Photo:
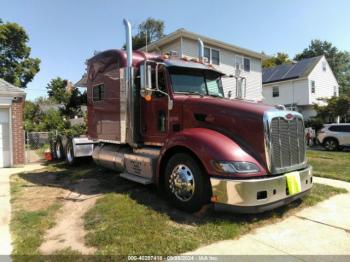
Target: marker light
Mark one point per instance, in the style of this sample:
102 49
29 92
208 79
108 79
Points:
148 98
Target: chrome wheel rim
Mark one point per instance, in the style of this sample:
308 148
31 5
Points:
58 151
181 183
69 154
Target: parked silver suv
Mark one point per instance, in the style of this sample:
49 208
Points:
334 136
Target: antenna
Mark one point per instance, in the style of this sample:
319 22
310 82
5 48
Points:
146 39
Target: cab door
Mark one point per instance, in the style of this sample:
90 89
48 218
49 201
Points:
154 113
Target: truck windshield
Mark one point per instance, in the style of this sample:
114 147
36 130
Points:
199 82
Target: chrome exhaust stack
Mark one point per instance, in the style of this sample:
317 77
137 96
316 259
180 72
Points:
200 50
128 42
131 122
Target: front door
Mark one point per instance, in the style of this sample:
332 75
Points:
154 113
5 154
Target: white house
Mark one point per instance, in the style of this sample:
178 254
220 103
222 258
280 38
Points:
300 85
223 56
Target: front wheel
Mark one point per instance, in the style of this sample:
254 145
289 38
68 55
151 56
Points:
186 185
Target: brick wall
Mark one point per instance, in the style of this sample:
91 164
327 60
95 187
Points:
18 132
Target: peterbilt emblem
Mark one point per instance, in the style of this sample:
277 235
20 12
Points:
289 117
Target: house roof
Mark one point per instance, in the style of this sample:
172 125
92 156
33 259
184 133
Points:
207 40
8 89
290 71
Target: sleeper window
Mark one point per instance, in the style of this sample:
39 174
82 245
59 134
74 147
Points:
98 92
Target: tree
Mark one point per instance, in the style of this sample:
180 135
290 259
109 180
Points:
16 65
62 92
336 106
339 61
53 120
32 116
279 59
148 31
56 89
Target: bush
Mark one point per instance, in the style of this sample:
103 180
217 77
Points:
314 123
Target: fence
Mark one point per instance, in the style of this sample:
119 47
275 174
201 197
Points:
36 143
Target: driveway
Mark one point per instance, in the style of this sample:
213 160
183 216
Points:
323 229
5 214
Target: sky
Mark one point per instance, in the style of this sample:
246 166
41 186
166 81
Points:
64 33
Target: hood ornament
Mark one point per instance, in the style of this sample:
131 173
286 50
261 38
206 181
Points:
289 117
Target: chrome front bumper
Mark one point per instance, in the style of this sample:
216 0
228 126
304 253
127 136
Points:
257 195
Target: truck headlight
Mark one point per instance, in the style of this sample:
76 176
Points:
231 167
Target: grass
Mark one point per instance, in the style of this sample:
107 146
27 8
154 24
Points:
120 225
28 223
28 226
130 219
335 165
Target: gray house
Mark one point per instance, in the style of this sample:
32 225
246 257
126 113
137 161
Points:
225 57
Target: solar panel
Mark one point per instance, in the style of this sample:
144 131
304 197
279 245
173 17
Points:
289 71
280 72
300 68
267 74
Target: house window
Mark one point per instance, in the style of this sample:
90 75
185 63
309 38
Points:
334 91
213 55
98 92
238 62
324 66
242 63
275 91
207 53
246 63
313 86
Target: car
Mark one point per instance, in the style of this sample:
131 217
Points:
334 136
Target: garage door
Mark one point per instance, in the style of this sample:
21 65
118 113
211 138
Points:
5 155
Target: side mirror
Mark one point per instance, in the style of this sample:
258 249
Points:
145 80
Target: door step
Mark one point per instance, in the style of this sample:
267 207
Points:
152 151
137 179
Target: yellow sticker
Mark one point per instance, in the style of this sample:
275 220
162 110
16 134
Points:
293 183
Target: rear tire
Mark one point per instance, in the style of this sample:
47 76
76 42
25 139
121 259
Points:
58 150
70 158
185 183
331 144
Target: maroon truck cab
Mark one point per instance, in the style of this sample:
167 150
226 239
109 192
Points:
165 120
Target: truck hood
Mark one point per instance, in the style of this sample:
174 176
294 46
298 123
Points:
242 121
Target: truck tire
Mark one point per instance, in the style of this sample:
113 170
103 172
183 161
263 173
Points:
186 185
70 159
331 144
58 150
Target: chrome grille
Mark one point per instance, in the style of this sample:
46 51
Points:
285 143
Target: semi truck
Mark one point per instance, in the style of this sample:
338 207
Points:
163 120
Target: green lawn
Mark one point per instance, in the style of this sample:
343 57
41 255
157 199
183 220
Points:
137 223
334 165
129 218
